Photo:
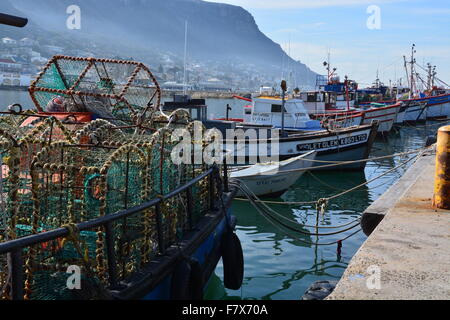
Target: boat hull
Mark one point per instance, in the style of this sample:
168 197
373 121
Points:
437 106
272 180
385 115
271 186
203 245
346 144
415 113
439 110
401 115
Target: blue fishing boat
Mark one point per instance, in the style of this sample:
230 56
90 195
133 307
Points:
431 98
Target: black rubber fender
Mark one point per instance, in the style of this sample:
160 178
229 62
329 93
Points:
196 280
187 281
233 261
180 286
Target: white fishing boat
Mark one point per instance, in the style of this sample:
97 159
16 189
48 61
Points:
299 135
272 179
386 115
416 111
401 115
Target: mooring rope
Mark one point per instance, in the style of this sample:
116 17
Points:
310 234
321 204
420 153
331 163
244 188
339 163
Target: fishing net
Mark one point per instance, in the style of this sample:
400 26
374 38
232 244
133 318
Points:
59 173
53 178
111 89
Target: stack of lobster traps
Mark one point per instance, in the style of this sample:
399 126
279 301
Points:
96 145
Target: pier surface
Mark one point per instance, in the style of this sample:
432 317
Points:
410 247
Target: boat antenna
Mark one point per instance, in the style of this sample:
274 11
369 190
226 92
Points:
283 101
185 55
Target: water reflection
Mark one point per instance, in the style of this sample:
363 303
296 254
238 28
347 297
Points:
278 267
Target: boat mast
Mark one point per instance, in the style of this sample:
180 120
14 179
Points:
431 70
328 68
413 61
185 55
407 75
346 93
283 102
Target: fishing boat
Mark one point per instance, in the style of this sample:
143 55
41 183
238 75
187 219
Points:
274 178
385 114
437 106
285 123
343 119
431 92
300 134
416 111
401 115
89 190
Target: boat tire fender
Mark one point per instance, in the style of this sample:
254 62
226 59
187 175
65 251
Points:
187 281
233 261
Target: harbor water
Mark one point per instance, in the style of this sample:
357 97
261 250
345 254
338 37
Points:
280 266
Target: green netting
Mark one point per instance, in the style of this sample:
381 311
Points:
51 79
50 184
108 88
53 177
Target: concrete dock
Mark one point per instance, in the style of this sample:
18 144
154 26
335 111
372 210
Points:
407 256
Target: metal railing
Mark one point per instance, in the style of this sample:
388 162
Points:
14 248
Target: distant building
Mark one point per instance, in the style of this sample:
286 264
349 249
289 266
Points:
54 49
21 51
15 79
35 54
214 85
175 86
9 41
9 65
27 42
38 60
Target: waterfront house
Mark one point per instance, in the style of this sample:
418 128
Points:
9 41
9 65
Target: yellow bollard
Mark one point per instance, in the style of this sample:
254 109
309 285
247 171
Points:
441 197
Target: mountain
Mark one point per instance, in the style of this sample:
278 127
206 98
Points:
216 32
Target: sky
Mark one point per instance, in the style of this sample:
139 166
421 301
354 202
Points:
359 43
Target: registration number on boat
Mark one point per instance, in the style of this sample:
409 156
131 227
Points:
332 143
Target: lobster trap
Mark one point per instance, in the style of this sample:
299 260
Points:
58 172
110 89
53 177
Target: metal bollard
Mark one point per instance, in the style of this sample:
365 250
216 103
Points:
441 197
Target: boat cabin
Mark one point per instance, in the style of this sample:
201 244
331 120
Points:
268 111
341 100
318 101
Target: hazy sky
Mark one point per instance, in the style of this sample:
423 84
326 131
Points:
315 26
